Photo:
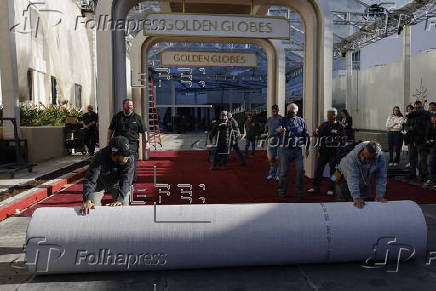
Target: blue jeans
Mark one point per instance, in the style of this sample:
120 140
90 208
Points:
287 156
238 152
251 140
272 152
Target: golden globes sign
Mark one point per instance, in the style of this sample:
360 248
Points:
208 59
158 24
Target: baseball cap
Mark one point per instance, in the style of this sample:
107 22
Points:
120 145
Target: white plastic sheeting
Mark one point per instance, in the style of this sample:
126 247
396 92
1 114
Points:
60 240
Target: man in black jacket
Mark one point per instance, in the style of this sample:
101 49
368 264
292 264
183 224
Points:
431 159
90 120
111 171
330 136
221 133
418 126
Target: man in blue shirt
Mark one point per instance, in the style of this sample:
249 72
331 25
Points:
357 168
294 136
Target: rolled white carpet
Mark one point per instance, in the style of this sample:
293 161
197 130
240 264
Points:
59 240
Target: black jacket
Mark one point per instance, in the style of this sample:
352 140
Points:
222 130
104 174
418 126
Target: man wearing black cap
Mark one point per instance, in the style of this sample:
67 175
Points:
110 171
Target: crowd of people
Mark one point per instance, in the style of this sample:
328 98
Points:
288 141
352 165
417 131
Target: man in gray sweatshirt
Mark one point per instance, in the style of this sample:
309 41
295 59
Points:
358 167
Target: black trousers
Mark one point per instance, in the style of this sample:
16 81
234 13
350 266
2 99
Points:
395 140
418 159
134 150
90 139
323 159
220 156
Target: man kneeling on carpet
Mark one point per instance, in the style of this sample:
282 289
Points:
353 177
111 171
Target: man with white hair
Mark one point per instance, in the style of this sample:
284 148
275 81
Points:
294 136
330 136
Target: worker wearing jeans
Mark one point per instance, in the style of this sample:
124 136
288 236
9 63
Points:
293 136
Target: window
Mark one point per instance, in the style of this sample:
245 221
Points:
54 91
30 84
78 96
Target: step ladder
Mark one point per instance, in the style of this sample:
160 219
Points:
154 135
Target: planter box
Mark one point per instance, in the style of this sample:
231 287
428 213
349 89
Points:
44 142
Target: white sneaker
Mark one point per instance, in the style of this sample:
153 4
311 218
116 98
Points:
391 164
428 183
277 178
330 193
395 164
408 165
311 190
269 177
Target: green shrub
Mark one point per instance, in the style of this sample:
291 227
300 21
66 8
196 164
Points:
40 115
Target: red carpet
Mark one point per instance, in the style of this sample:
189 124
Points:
236 184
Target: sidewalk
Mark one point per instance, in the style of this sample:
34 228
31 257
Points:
47 178
44 168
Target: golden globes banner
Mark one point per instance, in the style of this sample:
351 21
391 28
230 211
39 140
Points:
216 26
208 59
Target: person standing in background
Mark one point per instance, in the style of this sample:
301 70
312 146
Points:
90 120
394 124
249 135
347 122
330 136
235 136
221 132
431 158
271 126
130 125
418 126
294 137
405 131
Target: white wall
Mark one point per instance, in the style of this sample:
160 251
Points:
62 51
377 89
